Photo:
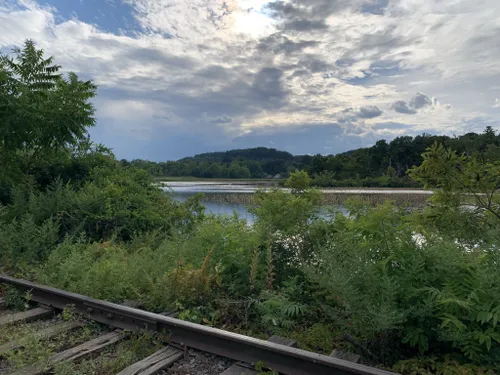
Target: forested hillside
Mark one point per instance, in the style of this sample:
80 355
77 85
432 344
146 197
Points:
384 164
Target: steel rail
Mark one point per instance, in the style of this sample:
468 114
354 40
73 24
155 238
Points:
286 360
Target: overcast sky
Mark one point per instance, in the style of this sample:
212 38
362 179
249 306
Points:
179 77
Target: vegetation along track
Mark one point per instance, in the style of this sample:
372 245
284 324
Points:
182 336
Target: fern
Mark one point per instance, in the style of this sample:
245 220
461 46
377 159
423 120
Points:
253 267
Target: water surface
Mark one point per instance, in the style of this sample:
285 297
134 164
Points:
181 191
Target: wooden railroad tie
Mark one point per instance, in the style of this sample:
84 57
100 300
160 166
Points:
26 316
46 333
156 362
82 351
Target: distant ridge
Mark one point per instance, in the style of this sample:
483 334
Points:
254 154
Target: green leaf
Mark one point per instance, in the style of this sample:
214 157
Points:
488 342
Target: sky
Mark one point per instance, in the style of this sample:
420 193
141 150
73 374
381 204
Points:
181 77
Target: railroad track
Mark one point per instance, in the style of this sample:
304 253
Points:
182 339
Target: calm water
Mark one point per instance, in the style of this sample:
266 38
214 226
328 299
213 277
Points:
183 190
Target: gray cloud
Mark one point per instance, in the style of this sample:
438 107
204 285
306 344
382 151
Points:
278 43
401 107
420 101
314 138
150 55
306 15
369 111
222 119
267 86
304 25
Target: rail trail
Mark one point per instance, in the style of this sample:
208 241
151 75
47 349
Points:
185 348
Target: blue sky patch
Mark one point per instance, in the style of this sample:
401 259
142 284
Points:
108 15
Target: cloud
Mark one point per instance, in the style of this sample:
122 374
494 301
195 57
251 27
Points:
198 75
401 107
418 102
222 119
497 103
369 111
278 43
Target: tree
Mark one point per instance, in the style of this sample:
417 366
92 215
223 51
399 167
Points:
298 181
460 178
41 112
390 172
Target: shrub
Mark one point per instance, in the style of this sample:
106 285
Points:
402 296
119 204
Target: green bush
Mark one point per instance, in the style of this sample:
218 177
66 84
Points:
401 296
119 204
23 241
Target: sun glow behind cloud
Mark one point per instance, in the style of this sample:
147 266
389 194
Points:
249 18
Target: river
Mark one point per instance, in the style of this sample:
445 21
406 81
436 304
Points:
183 190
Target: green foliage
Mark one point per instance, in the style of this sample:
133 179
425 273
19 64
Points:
277 210
116 203
40 111
263 370
390 172
466 203
15 300
319 337
299 181
469 307
277 310
383 165
25 241
159 272
400 295
435 366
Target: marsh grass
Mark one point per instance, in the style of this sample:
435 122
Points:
330 198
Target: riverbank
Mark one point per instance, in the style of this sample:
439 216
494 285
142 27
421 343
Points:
227 181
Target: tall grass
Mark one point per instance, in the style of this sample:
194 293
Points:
330 198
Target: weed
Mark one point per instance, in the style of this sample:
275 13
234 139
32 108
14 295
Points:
263 370
15 300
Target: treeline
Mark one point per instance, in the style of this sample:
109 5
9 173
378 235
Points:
258 162
384 164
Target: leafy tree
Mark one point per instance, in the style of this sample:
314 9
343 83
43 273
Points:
460 177
298 181
390 172
41 112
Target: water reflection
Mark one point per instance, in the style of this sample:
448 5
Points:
181 191
213 207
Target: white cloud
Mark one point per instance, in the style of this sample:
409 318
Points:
198 63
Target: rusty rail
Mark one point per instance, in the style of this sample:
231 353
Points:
286 360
